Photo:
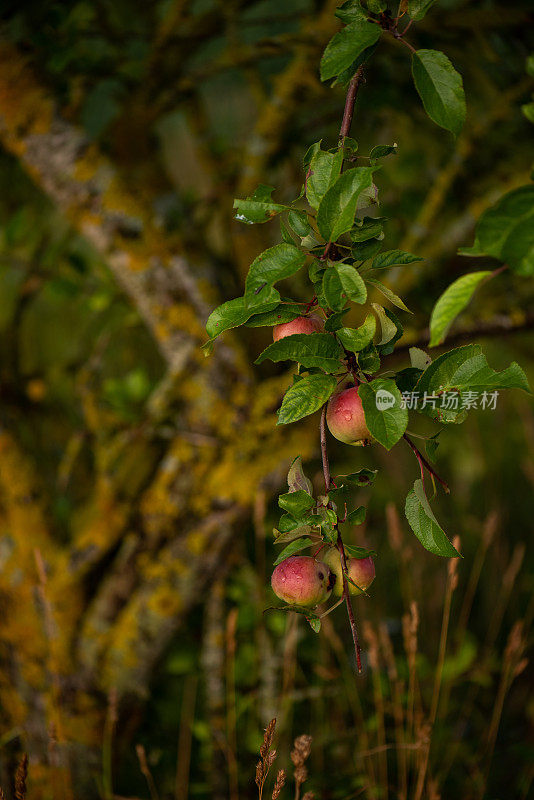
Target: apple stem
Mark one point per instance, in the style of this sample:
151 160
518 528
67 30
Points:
339 543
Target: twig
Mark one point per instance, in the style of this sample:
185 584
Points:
424 463
339 543
348 113
350 101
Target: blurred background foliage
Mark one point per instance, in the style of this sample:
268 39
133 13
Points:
125 549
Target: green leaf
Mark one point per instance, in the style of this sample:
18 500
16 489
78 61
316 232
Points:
358 552
274 264
350 11
382 150
368 359
391 296
386 349
392 258
367 228
350 147
346 75
314 623
310 349
258 207
453 300
310 152
465 370
296 502
528 111
384 416
376 6
355 339
431 445
388 327
425 525
286 234
305 397
341 282
280 314
324 170
363 477
361 251
336 211
290 536
418 8
506 231
335 321
345 47
440 88
418 358
357 517
232 314
292 548
296 479
298 220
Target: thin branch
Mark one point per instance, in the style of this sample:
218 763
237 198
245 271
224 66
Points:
350 101
339 543
424 463
324 451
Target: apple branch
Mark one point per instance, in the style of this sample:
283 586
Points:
339 543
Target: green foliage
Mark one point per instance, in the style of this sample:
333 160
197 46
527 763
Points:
425 525
384 414
355 339
335 215
305 397
335 190
506 231
319 350
258 207
453 300
276 263
440 88
324 170
346 46
341 282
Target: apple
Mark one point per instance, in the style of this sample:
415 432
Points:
311 324
302 581
361 571
345 418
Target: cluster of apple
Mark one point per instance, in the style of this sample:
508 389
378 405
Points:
303 580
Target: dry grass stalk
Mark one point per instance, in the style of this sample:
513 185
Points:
397 690
267 757
374 660
299 754
2 795
279 784
410 624
20 778
143 765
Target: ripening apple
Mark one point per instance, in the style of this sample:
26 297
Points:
302 581
360 570
311 324
345 418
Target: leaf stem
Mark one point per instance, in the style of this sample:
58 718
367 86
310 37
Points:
423 463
